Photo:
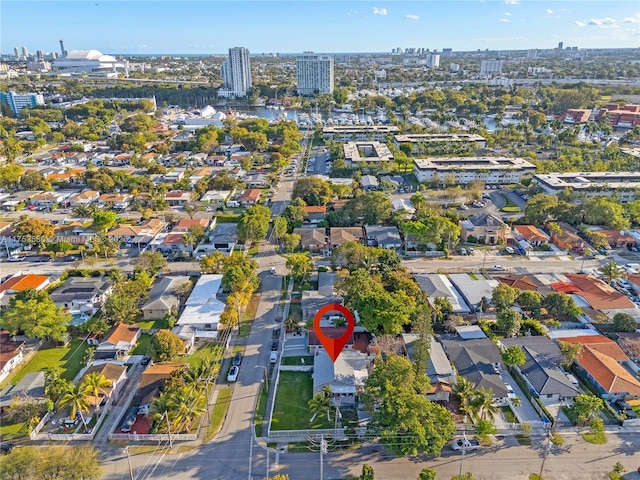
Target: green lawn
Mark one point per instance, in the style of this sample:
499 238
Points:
153 324
291 411
308 360
508 414
248 317
142 348
219 411
68 358
211 349
261 411
9 431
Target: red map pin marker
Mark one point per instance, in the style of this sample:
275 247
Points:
333 346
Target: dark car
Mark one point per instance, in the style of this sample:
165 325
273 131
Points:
145 361
6 448
237 360
274 346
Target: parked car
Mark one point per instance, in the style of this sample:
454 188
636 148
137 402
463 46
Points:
145 361
232 376
463 207
478 204
6 448
499 268
237 359
273 270
273 357
463 251
470 250
16 258
468 444
274 346
509 250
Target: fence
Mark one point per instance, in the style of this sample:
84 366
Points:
157 437
34 434
296 368
65 437
334 432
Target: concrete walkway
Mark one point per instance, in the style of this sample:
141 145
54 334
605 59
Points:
525 412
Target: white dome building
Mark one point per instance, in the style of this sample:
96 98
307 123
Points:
90 62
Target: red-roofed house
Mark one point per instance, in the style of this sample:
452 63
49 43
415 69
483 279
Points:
567 238
602 361
118 341
622 117
577 115
11 354
250 197
186 224
18 283
598 294
618 239
531 234
177 198
314 214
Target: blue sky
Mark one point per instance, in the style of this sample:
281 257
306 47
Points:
210 26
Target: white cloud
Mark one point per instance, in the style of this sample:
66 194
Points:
602 22
352 12
379 11
411 17
580 24
505 20
507 14
549 11
511 2
635 19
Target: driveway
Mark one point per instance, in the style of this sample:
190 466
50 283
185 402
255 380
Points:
525 412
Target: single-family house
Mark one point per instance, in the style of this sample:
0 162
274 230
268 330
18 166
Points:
177 198
250 197
566 237
403 205
173 176
224 237
164 297
439 286
82 294
84 198
383 237
486 228
369 182
118 341
616 238
474 289
151 384
478 360
340 235
542 368
313 300
345 377
17 199
531 234
48 199
140 234
203 309
216 198
314 213
114 373
312 239
186 224
20 282
441 374
606 366
11 354
116 201
256 180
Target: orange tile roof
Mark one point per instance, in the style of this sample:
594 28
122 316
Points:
251 194
188 223
599 295
173 239
23 282
531 233
121 333
315 209
523 282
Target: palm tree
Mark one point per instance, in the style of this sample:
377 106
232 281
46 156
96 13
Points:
611 271
319 404
482 406
76 398
188 403
464 389
94 384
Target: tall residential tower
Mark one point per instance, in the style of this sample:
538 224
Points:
314 73
236 72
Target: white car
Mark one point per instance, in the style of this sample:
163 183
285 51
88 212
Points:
273 357
232 376
509 250
463 207
499 268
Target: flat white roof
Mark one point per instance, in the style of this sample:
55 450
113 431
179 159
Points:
205 290
472 163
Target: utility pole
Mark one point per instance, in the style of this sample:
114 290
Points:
126 450
266 377
166 416
464 443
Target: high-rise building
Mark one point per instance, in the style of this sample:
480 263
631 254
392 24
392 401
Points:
236 72
18 101
25 52
491 67
560 45
532 53
433 60
17 52
314 73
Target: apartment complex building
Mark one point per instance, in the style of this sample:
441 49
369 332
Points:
236 72
314 73
359 133
427 138
492 171
625 185
18 101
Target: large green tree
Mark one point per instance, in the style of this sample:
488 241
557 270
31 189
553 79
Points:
254 224
165 345
514 356
300 265
509 321
35 314
56 462
313 190
504 296
406 421
561 306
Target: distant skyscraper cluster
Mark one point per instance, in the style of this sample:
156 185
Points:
314 73
236 72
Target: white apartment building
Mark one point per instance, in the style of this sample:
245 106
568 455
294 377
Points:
360 133
18 101
358 152
426 138
491 67
492 171
314 73
236 72
624 185
433 60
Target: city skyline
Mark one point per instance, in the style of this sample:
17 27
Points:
168 27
